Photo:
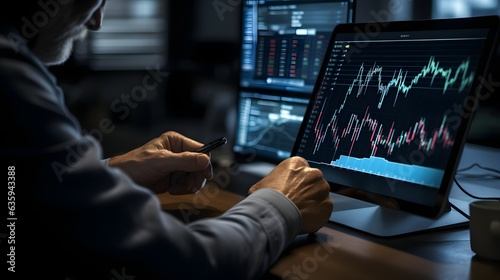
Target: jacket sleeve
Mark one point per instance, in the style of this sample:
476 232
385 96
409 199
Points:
80 219
112 218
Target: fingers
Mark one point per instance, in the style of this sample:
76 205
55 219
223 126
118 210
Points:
186 183
188 162
305 187
184 171
296 161
180 183
177 142
178 149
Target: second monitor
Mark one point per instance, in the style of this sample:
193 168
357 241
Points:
283 44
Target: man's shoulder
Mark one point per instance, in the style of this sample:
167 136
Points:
12 44
20 69
14 52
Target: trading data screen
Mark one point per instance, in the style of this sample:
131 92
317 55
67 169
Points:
284 42
283 47
388 114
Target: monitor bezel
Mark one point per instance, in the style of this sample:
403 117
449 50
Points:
441 203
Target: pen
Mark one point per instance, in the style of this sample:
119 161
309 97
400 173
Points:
212 145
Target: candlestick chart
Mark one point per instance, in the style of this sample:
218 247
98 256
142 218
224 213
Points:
381 112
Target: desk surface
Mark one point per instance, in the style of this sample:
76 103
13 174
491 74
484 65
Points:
337 252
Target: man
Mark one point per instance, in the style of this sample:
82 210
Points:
80 217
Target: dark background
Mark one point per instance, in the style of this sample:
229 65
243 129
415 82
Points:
198 46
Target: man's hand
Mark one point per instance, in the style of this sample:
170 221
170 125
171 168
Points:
304 186
167 163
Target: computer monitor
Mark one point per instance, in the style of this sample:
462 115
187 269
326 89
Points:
485 127
283 44
389 116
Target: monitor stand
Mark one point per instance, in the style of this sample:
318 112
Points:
386 222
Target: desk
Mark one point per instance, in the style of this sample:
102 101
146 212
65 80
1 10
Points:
337 252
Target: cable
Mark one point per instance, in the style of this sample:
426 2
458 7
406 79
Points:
479 166
483 176
474 176
487 175
471 195
460 211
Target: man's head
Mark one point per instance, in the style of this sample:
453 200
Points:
51 26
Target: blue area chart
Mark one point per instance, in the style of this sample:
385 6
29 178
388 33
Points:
382 167
373 119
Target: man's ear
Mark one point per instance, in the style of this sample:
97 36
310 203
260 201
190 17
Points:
95 21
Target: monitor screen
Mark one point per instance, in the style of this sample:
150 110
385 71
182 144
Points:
283 44
485 127
391 108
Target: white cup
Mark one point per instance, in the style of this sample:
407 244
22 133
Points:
484 226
